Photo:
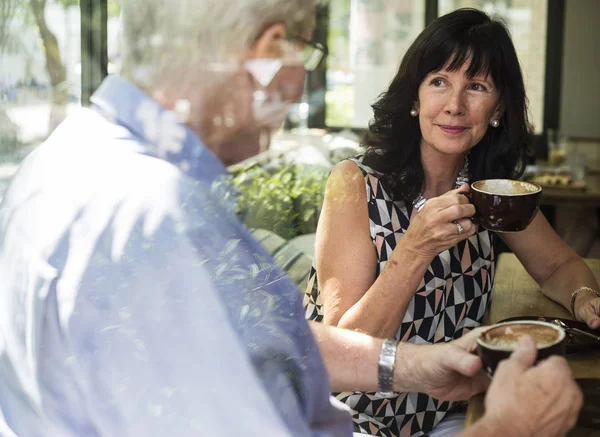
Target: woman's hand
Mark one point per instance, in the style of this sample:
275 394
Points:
587 309
556 268
436 227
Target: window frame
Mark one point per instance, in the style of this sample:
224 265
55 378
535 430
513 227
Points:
94 42
94 63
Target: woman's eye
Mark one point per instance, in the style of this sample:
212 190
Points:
437 82
478 87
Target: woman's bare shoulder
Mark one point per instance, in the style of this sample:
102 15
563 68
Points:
346 177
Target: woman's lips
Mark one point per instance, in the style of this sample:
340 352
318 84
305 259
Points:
452 129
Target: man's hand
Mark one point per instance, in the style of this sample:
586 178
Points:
447 371
538 401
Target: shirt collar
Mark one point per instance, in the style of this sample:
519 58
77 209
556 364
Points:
160 130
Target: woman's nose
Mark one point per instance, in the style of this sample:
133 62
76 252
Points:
455 104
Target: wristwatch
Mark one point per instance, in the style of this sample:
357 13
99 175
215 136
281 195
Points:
387 361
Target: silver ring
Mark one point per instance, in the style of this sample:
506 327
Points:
460 228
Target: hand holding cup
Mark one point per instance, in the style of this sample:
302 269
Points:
443 222
533 400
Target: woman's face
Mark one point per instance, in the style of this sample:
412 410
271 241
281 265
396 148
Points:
455 111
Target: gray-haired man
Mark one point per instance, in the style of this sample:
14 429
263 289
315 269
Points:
134 303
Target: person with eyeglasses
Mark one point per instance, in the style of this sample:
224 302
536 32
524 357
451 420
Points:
135 303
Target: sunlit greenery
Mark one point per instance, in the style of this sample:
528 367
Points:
285 199
340 106
113 8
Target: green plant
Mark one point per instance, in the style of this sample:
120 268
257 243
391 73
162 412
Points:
285 199
308 191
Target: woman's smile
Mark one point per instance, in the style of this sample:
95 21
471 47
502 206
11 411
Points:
452 130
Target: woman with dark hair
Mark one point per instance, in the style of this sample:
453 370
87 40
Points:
397 254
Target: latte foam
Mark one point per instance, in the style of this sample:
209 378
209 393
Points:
507 337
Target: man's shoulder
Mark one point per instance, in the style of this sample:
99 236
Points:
90 168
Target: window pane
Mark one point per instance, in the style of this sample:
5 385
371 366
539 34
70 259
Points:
40 75
112 36
526 20
367 39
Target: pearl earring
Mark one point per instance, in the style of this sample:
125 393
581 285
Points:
414 112
495 123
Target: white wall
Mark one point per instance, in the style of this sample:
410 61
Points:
580 96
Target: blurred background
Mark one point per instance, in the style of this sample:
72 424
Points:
54 53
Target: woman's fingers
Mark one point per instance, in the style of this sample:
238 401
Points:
446 220
446 200
451 233
461 229
456 212
468 226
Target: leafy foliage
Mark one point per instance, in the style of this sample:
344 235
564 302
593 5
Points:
68 3
113 8
285 199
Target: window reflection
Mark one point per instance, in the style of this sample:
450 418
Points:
113 25
367 39
40 74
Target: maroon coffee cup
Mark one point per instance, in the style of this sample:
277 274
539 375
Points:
500 340
505 205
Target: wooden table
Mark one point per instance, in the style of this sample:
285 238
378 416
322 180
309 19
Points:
517 294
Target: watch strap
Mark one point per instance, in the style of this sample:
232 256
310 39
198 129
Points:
387 362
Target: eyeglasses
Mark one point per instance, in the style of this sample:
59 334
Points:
313 52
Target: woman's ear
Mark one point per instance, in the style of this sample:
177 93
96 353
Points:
266 45
498 112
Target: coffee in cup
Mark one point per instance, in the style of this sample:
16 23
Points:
505 205
499 341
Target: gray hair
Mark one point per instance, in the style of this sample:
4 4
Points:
158 34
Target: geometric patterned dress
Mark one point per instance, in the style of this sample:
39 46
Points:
451 299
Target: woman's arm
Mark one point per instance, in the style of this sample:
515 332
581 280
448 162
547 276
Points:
346 262
555 267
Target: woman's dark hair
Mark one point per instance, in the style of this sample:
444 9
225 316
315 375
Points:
394 136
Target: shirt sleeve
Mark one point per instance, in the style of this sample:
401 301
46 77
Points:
151 347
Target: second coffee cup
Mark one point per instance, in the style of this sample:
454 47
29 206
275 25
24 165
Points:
500 340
